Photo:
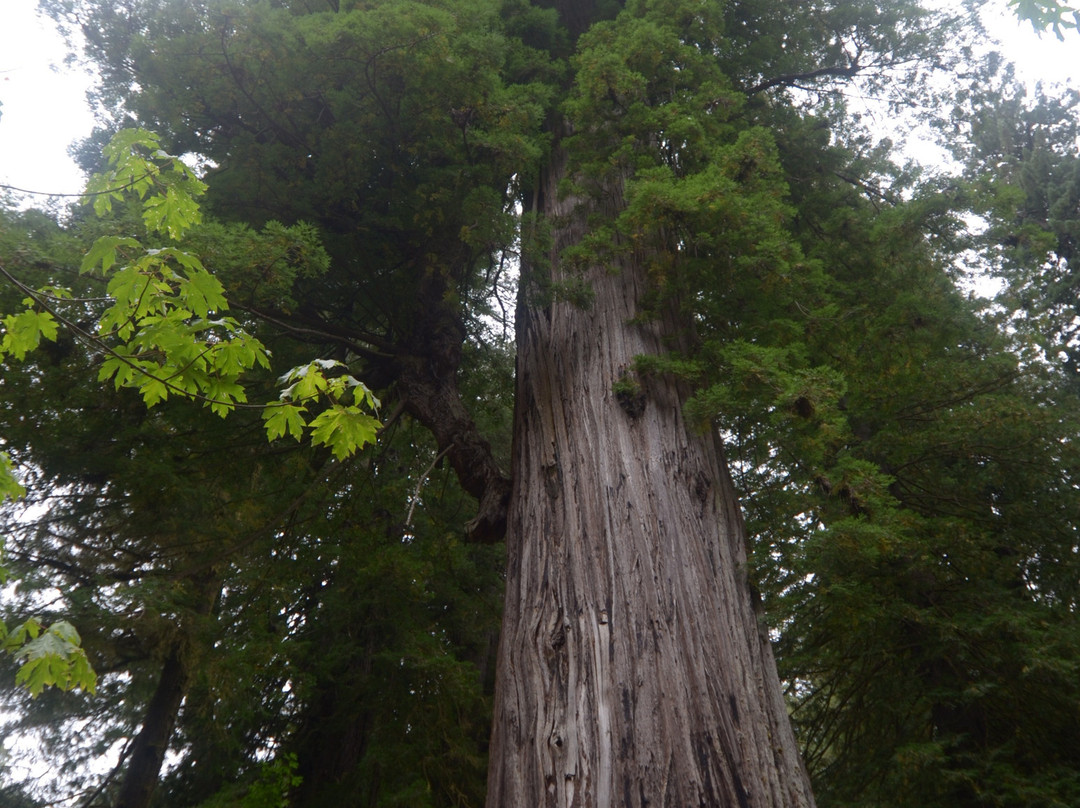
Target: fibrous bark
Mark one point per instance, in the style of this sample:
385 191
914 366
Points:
633 669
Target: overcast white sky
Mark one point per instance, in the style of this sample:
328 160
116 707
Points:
44 105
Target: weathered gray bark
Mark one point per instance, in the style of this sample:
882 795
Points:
633 669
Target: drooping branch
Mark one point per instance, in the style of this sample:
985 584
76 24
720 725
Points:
367 346
790 79
427 384
422 367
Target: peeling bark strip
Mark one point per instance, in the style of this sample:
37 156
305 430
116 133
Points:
632 668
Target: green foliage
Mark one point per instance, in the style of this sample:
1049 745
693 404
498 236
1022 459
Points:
1047 14
274 780
1023 176
922 475
169 335
167 187
261 267
50 657
910 483
164 330
10 488
163 333
53 658
24 331
343 426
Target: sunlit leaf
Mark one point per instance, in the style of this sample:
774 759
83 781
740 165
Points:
284 419
344 430
24 331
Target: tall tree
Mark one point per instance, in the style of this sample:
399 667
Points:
1020 160
202 559
924 630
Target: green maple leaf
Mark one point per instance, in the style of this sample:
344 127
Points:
234 356
128 288
36 674
53 658
284 419
103 253
344 429
23 332
153 390
309 382
121 369
202 293
9 485
172 213
223 393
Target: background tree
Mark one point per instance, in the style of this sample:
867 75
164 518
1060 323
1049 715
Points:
919 583
1021 161
160 578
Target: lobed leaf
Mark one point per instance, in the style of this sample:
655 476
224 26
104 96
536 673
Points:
24 331
284 419
10 487
53 658
344 429
103 253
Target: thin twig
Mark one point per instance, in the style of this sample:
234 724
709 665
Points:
420 484
85 193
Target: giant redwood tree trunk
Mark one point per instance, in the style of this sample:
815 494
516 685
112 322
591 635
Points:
633 669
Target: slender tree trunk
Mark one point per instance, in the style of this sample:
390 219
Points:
633 669
148 748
